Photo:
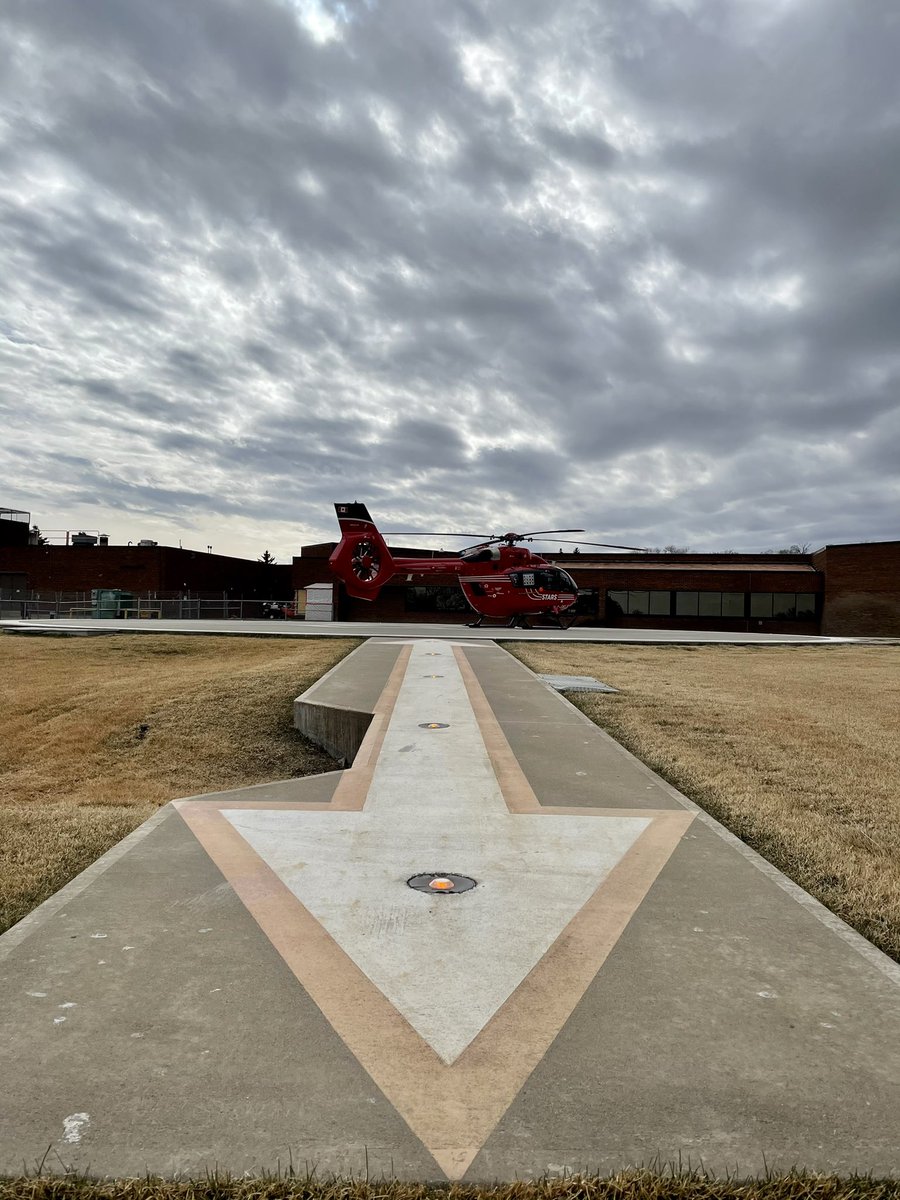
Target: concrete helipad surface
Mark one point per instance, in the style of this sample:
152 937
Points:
249 980
578 633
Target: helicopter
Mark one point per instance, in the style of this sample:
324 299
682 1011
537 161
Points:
499 577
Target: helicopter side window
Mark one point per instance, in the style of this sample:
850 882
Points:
557 580
550 579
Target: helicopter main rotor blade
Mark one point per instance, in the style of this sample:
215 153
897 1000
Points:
428 533
535 532
603 545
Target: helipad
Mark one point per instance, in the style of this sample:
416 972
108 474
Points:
496 946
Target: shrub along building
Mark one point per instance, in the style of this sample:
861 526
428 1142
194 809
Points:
846 590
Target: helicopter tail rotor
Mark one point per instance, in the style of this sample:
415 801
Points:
361 558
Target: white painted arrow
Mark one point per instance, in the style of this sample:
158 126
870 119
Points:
446 962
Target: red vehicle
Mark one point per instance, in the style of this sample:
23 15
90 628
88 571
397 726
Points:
499 578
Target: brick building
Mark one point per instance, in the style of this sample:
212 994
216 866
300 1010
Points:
143 569
861 588
36 573
851 590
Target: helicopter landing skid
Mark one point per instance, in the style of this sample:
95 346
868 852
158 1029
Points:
520 622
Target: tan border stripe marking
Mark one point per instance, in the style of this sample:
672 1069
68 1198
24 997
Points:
350 794
451 1109
517 791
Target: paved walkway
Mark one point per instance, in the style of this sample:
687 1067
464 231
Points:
250 979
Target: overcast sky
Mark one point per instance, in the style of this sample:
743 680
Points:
626 264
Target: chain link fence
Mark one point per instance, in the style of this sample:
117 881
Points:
110 604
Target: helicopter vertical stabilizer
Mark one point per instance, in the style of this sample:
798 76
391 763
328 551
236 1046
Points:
361 558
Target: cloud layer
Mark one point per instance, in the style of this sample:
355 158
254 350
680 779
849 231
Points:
633 266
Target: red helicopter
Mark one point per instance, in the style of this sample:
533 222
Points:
498 577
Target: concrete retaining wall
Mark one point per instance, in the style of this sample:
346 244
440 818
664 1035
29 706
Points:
337 710
337 730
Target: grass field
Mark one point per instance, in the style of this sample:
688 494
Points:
627 1185
796 750
96 733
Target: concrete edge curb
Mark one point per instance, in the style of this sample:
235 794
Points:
18 933
875 957
252 787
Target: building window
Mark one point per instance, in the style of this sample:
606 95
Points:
718 604
686 604
435 599
709 604
783 606
761 604
806 606
780 606
616 604
638 603
588 603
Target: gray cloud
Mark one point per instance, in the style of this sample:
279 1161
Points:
633 266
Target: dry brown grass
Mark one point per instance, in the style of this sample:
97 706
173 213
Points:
626 1185
797 751
96 733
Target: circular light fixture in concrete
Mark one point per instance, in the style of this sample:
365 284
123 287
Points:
441 884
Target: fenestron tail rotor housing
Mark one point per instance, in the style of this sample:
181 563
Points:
366 561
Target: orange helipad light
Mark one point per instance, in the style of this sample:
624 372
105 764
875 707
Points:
440 885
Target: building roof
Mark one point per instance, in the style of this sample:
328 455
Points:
678 564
